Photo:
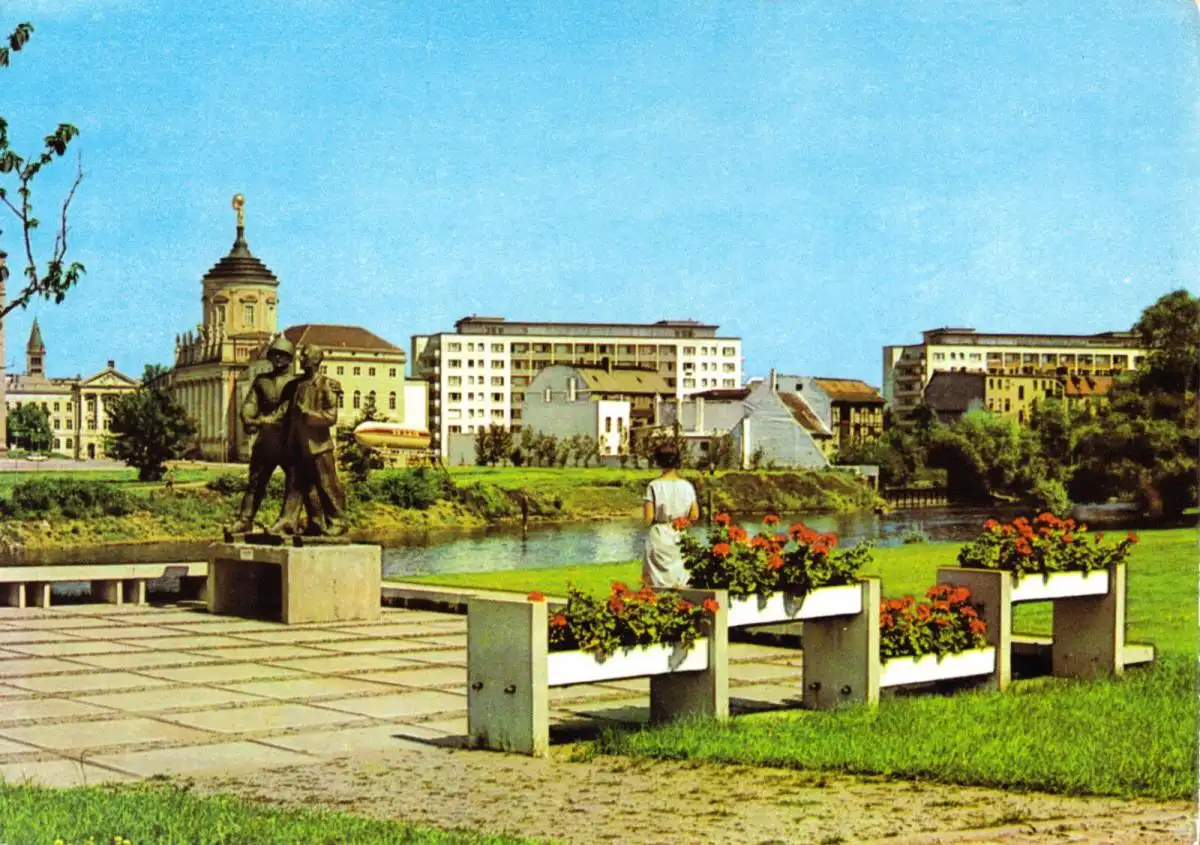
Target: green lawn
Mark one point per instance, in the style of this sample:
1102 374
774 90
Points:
149 814
1134 735
124 478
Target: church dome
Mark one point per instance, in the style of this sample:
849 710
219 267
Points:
240 266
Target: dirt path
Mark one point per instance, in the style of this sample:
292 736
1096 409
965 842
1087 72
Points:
628 801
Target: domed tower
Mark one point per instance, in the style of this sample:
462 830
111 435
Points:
240 296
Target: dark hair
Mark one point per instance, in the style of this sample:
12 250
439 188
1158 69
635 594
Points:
666 455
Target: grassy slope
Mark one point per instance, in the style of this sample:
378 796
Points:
1130 736
150 813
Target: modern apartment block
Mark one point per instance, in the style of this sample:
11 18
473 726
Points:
478 373
908 369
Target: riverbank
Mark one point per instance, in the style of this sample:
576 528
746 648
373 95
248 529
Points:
77 509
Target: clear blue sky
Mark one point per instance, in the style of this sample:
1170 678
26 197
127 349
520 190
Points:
821 178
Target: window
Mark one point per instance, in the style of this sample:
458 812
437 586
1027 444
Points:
57 445
497 347
729 368
1007 405
454 362
54 424
689 350
70 442
357 400
939 356
497 414
324 370
607 424
56 407
729 351
391 372
371 372
975 356
518 397
454 347
497 381
455 429
497 397
357 372
497 365
729 383
454 381
392 401
455 397
1021 392
341 399
454 414
248 314
689 382
341 371
371 398
546 395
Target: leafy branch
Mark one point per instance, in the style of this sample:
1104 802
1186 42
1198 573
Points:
59 276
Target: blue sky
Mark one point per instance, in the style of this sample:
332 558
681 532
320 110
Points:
820 178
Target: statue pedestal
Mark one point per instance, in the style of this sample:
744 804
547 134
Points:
333 583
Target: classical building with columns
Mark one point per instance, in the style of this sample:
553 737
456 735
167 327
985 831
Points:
77 408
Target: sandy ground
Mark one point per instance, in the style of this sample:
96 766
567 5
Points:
618 800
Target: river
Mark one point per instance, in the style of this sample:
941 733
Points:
620 540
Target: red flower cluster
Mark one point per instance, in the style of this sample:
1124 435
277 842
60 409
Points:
721 550
722 519
1043 544
536 596
946 624
770 519
626 618
680 523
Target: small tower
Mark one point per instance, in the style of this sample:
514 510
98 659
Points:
240 295
35 353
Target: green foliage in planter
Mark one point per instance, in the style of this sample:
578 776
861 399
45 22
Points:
626 619
1043 546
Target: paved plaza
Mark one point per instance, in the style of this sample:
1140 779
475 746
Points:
95 693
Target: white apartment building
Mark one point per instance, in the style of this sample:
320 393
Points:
478 373
907 369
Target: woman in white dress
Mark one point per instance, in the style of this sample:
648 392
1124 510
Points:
668 498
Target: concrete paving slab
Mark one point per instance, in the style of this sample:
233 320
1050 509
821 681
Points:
425 676
72 648
172 698
769 695
445 640
436 728
631 710
739 652
450 656
263 652
222 626
69 623
294 636
8 746
15 636
40 709
763 672
84 681
394 630
166 616
59 773
402 705
269 717
184 643
25 614
223 673
225 758
6 691
144 659
401 616
341 664
130 632
371 646
22 667
638 685
73 736
347 741
584 692
309 688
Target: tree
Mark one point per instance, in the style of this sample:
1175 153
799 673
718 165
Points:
1170 331
148 428
19 172
499 443
354 459
29 428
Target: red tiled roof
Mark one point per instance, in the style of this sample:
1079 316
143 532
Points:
849 390
338 337
1082 387
804 414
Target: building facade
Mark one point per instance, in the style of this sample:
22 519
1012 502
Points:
908 369
78 408
851 409
479 373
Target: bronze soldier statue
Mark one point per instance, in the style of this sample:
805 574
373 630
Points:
311 402
263 411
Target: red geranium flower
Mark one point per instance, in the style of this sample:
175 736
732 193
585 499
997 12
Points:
1133 538
977 626
559 621
619 587
737 534
710 606
770 519
722 519
680 523
684 606
721 550
536 596
775 562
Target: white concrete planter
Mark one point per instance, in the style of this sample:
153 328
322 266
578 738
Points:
927 668
582 667
845 600
1060 585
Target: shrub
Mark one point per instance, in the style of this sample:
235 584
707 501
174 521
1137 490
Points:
69 498
1050 494
228 483
418 489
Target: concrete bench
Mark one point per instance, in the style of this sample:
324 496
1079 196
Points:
113 583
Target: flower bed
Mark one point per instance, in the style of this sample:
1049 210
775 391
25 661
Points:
1042 546
626 619
946 624
775 577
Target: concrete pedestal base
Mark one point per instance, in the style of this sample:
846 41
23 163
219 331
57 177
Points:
295 585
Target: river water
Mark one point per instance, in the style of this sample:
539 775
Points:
608 542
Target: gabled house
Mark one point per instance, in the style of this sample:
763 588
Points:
850 409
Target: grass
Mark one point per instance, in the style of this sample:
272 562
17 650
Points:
1129 736
154 813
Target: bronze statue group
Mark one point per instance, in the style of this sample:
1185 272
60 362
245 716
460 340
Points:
292 417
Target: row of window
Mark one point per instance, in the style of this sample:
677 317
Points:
471 397
456 381
341 371
706 382
1045 358
473 413
357 400
591 348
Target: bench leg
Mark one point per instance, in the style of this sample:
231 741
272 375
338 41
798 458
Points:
841 655
38 594
109 592
14 595
706 693
134 591
507 700
1089 632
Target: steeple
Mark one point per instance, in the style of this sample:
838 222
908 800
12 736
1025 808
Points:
240 294
35 352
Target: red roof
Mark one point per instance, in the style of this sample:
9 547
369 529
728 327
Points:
1083 387
338 337
849 390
